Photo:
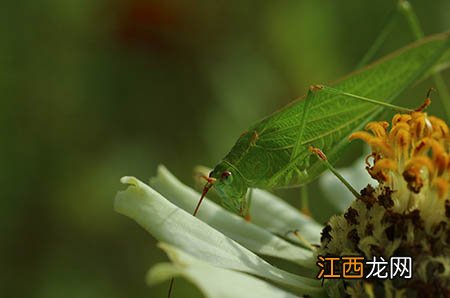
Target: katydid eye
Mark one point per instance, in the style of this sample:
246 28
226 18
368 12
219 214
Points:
226 177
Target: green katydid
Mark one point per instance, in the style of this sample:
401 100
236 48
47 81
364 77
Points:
273 153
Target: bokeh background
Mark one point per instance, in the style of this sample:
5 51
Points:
95 90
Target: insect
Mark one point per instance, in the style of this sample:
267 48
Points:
276 152
273 153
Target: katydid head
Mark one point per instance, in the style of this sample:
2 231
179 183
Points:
230 187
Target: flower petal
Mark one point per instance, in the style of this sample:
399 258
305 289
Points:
248 234
274 214
212 281
170 224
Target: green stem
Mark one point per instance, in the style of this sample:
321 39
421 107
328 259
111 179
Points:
379 40
406 8
443 92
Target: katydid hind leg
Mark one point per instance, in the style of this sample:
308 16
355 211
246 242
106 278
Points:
319 153
382 103
298 146
426 102
298 154
422 107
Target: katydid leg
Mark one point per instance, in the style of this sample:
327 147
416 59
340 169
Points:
246 205
324 158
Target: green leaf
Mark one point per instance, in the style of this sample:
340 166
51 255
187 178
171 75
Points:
170 224
275 151
212 281
247 234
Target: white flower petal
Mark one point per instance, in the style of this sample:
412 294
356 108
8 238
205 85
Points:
212 281
248 234
274 214
170 224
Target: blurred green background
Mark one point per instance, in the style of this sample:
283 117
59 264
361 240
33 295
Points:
95 90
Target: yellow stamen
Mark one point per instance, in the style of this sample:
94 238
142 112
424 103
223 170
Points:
413 173
400 118
379 169
442 187
402 140
421 162
365 136
381 146
396 128
378 128
416 149
428 143
440 127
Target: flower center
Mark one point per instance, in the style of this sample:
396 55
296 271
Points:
412 159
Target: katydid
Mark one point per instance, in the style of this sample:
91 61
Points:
271 155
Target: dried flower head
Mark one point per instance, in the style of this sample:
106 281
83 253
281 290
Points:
407 214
